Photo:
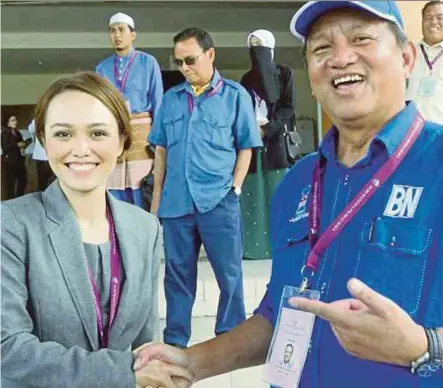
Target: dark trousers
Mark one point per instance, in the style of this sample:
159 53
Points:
16 179
220 231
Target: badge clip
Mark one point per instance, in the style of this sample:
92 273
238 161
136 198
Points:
305 282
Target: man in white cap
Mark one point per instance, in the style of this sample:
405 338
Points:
426 83
373 212
137 75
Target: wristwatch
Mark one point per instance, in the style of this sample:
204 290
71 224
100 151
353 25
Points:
430 361
236 190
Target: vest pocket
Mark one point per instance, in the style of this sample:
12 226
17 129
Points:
393 258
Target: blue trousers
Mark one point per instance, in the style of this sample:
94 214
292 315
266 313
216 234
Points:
220 231
129 195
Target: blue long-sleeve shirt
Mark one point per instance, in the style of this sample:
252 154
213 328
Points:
144 86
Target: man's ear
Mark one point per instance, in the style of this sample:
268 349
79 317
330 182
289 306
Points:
409 58
211 53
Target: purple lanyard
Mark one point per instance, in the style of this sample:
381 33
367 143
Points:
114 287
121 84
428 61
216 88
320 244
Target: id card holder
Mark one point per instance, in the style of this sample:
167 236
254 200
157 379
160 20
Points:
427 86
290 342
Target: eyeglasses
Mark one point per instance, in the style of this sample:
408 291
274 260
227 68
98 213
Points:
190 60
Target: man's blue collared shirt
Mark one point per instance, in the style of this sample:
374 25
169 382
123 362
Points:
144 86
394 244
202 143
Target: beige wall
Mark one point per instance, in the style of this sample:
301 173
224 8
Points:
411 12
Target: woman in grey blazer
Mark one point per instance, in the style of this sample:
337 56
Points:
79 267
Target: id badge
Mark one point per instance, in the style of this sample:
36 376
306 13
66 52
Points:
427 86
128 105
290 342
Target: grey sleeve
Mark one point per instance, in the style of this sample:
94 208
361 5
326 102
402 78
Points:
150 331
25 360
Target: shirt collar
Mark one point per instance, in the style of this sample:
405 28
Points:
125 57
390 136
187 86
438 45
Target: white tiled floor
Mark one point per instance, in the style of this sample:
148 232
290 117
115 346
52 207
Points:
255 277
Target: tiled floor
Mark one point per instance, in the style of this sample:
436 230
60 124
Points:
256 275
255 278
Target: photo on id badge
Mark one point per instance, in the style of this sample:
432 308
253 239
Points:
290 342
427 86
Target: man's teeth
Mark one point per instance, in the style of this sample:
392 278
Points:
349 78
81 167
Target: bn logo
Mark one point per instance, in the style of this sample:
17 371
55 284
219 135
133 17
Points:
403 201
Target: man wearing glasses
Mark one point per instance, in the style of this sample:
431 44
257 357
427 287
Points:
426 82
204 132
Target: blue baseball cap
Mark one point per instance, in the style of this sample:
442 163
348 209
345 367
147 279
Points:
304 18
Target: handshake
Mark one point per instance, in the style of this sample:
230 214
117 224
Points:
158 365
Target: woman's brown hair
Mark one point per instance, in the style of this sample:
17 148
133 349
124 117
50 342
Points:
94 85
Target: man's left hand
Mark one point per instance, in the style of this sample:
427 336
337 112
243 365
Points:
370 326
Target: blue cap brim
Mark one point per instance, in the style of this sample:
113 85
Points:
310 12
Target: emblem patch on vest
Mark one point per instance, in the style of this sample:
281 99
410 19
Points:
403 201
302 208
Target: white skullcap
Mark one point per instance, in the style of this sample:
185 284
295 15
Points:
266 37
122 18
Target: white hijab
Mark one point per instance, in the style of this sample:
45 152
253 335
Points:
266 37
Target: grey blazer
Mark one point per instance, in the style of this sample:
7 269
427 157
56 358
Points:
49 332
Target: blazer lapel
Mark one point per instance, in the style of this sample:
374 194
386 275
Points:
129 239
68 248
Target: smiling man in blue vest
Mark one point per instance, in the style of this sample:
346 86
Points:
204 134
357 283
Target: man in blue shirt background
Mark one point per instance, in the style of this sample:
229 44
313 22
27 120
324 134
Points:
385 329
138 77
204 133
45 176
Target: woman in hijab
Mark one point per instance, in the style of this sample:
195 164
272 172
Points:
13 158
271 89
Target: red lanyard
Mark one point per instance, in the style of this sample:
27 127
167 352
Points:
428 61
121 83
320 244
216 88
114 287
